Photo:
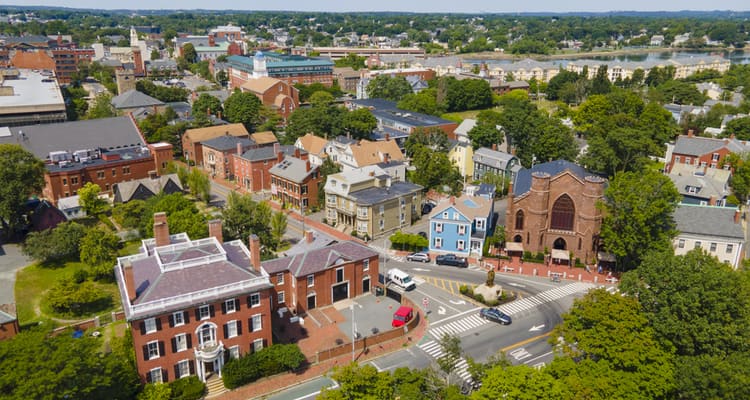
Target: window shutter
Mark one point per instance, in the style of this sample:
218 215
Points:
239 328
187 316
164 375
250 327
249 301
145 354
189 339
158 324
211 310
148 377
143 327
174 345
226 331
162 353
236 304
223 307
171 321
198 314
191 364
177 371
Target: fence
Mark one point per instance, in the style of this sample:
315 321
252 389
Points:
96 322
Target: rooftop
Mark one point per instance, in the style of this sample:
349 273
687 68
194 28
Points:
707 221
134 99
377 195
321 259
697 145
268 152
385 109
522 183
227 142
31 92
292 169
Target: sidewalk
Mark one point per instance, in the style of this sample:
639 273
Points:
518 267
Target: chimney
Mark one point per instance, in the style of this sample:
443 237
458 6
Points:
453 200
276 148
690 133
214 230
280 156
386 158
309 236
494 146
152 174
387 137
239 148
218 115
127 269
296 152
737 216
712 201
211 41
254 247
161 229
307 165
731 136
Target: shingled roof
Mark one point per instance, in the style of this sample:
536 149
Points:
319 260
522 183
134 99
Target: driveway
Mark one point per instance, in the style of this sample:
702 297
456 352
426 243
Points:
11 260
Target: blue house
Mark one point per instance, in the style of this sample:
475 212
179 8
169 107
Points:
460 225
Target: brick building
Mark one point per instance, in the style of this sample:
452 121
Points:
703 152
192 148
8 323
322 276
42 53
251 169
289 68
294 182
193 304
218 154
274 93
103 151
553 206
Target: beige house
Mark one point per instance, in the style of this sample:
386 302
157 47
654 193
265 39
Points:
369 202
313 145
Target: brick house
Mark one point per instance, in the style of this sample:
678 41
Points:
218 154
191 141
274 93
251 169
193 304
289 68
104 151
8 322
295 182
703 152
321 277
553 206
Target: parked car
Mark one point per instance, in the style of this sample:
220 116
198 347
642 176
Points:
452 260
421 257
426 208
423 234
493 314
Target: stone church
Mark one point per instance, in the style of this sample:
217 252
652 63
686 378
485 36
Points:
553 206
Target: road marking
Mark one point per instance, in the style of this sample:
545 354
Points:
376 366
441 310
434 350
436 300
518 285
520 354
456 316
420 269
538 357
526 341
536 328
457 302
315 394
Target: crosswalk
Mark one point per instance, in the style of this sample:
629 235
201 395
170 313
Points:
433 349
472 321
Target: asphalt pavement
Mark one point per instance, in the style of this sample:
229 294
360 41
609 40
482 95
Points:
11 260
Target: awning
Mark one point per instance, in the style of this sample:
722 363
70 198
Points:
606 257
513 246
560 255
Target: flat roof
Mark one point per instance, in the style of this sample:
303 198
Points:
32 92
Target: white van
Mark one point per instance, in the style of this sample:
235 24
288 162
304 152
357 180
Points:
401 278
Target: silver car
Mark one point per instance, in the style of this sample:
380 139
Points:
421 257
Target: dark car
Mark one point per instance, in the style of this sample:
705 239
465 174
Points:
493 314
426 208
423 234
452 260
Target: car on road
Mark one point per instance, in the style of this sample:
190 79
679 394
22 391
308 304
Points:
452 260
426 208
493 314
421 257
423 234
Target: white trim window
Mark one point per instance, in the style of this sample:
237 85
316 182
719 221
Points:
234 352
180 342
310 280
366 265
462 229
281 297
280 278
254 300
730 248
153 349
150 324
155 375
681 244
256 323
460 245
204 312
231 329
183 369
438 227
438 242
257 345
178 318
230 306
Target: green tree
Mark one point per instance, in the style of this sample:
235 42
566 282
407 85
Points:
189 53
359 123
130 215
327 168
243 216
519 382
487 131
242 107
207 104
321 99
59 243
433 138
623 149
638 211
740 180
388 87
90 200
424 102
70 297
739 127
182 215
156 391
99 251
434 170
451 347
278 228
102 107
467 94
601 84
352 60
200 185
22 175
678 92
155 54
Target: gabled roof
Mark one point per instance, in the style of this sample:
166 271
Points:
522 183
201 134
469 206
260 85
318 260
707 221
263 138
464 127
313 144
268 152
708 182
368 153
493 158
698 146
134 99
226 142
126 189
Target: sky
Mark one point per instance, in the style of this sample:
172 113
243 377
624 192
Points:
464 6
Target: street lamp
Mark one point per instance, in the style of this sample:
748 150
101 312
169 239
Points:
354 330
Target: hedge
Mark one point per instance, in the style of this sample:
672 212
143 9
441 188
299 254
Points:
271 360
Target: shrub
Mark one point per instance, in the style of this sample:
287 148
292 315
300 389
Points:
464 290
77 299
492 302
188 388
527 255
539 256
269 361
478 297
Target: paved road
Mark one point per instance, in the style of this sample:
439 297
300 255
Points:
11 260
305 391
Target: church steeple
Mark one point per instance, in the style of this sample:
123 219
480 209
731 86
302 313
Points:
133 37
259 65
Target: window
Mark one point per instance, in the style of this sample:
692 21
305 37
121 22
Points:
183 369
697 245
234 352
99 174
281 297
462 229
403 202
366 265
280 278
256 323
438 242
519 219
445 214
65 181
150 324
204 312
231 328
153 349
455 216
713 247
304 189
688 160
126 170
382 224
310 280
715 157
155 375
253 300
460 245
257 345
676 159
563 214
207 335
230 306
178 318
180 343
681 244
438 227
114 172
480 224
403 217
382 209
730 248
74 180
339 275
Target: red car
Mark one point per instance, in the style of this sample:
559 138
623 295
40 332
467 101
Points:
402 316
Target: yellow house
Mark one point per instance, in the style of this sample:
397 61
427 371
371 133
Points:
461 155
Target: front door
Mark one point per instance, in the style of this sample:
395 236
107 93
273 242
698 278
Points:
365 285
310 302
340 291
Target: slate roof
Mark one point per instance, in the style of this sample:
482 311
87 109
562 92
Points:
210 132
292 169
318 260
707 221
268 152
377 195
320 240
227 142
464 127
698 146
493 158
103 133
714 182
5 317
126 189
386 109
134 99
522 183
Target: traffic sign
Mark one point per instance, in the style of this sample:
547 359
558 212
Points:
425 302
